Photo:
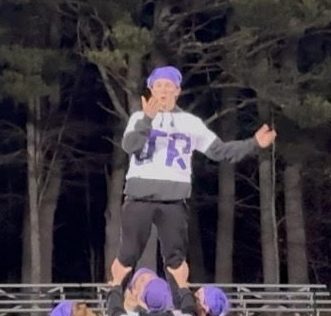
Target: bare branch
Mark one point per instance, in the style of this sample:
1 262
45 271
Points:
108 110
80 151
55 154
265 45
246 198
112 141
112 94
218 115
13 126
6 159
249 180
253 207
10 196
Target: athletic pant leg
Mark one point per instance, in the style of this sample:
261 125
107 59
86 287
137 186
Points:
136 223
172 224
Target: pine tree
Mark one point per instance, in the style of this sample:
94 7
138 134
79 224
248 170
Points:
30 72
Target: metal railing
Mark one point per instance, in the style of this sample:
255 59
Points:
246 299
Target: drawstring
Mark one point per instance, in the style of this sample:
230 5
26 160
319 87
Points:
172 121
162 119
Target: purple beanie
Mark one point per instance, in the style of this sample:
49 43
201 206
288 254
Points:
138 273
63 309
168 72
157 296
216 300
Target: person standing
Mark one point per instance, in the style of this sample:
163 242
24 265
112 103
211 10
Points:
160 140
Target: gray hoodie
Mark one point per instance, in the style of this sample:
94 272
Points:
161 150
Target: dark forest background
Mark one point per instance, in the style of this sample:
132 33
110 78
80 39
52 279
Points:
72 71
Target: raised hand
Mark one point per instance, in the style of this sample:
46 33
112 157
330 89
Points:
150 107
265 136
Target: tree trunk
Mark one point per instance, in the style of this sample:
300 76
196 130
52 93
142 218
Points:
31 259
50 180
297 263
47 212
269 245
26 246
96 271
269 233
225 223
115 183
196 262
226 199
43 190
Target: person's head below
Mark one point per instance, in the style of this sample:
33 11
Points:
211 301
70 308
146 290
165 85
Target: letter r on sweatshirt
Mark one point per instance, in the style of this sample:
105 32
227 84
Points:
173 153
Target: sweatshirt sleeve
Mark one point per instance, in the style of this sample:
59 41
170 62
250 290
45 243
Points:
136 132
187 302
115 302
232 151
214 148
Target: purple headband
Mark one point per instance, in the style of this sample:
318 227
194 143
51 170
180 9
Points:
138 273
63 309
216 301
157 296
168 72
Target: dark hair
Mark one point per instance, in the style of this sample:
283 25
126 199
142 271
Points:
146 93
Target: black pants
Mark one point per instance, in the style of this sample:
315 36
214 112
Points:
171 220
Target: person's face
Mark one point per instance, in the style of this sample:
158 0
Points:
166 92
133 295
140 283
80 309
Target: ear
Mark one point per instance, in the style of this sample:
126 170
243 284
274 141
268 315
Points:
178 91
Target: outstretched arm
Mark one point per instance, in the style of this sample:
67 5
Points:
233 151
